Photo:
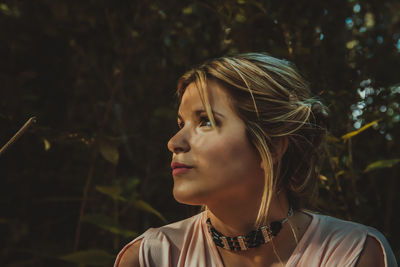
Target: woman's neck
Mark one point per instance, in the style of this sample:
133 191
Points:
235 218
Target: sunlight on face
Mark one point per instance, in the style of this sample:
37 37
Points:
225 164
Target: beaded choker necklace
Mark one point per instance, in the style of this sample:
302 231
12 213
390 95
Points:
253 239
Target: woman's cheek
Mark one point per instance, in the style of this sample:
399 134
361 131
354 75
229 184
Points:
222 158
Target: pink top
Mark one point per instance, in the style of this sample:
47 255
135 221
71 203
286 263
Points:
327 242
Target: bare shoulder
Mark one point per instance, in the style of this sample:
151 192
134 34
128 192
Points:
372 254
130 256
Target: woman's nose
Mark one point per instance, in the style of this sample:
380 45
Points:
178 143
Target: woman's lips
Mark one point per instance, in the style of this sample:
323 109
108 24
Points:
179 168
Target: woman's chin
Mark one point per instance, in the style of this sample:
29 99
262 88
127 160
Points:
188 197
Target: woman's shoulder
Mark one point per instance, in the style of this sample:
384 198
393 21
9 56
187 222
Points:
343 240
129 255
169 238
332 226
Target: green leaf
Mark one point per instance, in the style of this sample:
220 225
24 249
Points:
94 257
187 10
108 224
142 205
240 18
109 151
112 191
131 184
4 7
332 139
354 133
380 164
47 144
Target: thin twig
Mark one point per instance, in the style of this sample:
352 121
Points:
84 198
91 169
18 134
100 131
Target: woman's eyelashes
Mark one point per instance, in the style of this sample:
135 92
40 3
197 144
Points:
203 121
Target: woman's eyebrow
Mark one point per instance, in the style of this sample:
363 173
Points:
199 111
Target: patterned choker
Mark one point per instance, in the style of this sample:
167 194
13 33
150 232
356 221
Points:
253 239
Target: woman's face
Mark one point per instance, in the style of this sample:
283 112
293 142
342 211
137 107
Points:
224 165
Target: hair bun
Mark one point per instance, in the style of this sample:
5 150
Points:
320 112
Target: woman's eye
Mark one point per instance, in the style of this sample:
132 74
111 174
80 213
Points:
204 121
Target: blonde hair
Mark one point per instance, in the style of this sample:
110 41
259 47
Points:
274 102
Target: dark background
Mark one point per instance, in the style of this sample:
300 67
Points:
100 77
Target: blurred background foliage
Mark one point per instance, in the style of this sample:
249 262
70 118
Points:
100 76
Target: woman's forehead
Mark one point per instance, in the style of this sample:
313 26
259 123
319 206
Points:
217 96
190 101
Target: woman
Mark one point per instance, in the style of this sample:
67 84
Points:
246 151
